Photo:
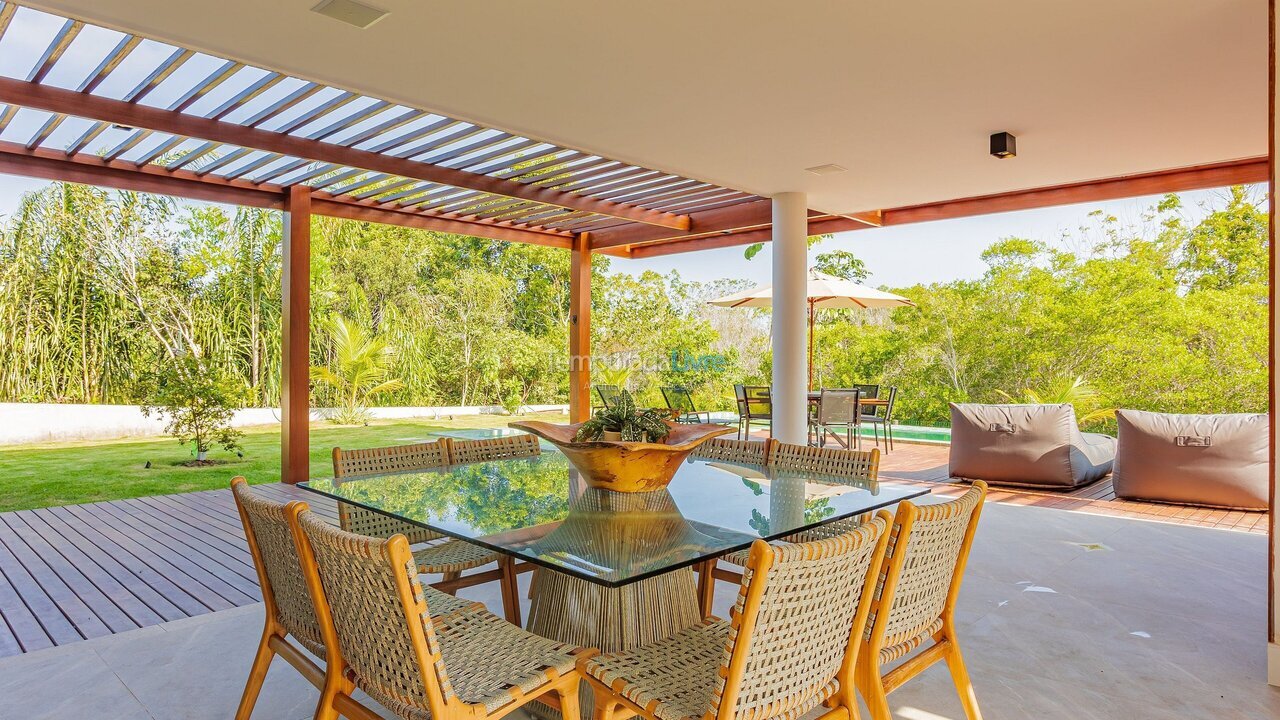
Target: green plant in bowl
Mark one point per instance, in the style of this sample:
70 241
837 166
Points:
629 422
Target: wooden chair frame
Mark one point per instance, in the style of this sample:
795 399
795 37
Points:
451 581
610 705
275 637
874 685
337 692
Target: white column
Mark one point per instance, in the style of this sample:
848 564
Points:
790 286
1273 646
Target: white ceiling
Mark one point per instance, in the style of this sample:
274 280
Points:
748 93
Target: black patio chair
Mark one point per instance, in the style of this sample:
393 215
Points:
608 394
877 421
680 403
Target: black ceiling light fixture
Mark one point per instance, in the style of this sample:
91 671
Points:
1004 145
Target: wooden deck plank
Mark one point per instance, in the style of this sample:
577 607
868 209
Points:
159 607
113 605
19 622
181 556
68 602
187 592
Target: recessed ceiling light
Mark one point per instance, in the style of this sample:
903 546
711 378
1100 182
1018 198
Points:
350 12
828 169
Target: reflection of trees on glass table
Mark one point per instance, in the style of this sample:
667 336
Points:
614 569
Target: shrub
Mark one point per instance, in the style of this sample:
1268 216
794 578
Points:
198 401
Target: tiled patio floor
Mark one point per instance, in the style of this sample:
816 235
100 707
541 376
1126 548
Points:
1063 616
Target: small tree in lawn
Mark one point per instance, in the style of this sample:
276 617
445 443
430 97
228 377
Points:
198 401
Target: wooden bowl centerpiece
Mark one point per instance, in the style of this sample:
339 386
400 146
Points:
640 463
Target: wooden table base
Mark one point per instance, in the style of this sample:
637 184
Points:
570 610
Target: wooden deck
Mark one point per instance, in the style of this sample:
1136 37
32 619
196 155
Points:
82 571
929 463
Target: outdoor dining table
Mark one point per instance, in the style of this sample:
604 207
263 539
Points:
614 570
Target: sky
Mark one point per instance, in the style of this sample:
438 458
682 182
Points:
897 257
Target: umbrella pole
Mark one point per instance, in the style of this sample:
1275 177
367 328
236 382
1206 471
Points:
810 386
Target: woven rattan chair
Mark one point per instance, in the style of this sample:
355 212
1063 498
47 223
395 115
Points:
753 452
915 599
381 638
289 611
499 448
788 648
447 557
833 465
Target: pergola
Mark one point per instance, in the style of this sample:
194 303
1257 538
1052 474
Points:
268 105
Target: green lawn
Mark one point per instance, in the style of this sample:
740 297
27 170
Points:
33 476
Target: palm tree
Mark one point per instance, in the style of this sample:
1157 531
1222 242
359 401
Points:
358 371
1067 390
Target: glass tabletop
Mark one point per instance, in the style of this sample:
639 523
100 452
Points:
538 509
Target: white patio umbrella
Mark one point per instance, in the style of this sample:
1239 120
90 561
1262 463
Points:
825 292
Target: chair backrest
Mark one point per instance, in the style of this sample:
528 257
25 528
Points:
755 452
854 464
275 557
499 448
920 579
838 407
678 398
380 461
796 625
740 397
391 459
373 614
868 391
757 400
889 403
608 394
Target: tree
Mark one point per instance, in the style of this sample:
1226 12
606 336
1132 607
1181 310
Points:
199 401
358 371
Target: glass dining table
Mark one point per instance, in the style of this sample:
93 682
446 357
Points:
613 570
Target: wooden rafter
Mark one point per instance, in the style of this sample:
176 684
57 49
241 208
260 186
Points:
123 175
750 222
67 102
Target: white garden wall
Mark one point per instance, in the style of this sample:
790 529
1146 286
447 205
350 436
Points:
48 422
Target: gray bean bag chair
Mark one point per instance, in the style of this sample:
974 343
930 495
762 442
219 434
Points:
1037 446
1210 460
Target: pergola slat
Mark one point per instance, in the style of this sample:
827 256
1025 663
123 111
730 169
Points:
57 47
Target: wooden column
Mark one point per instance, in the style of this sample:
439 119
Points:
295 351
580 329
1273 571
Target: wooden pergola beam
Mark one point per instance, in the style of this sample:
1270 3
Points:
121 175
57 100
748 223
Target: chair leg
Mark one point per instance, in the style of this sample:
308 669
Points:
960 676
605 708
874 695
706 586
257 674
446 577
334 686
568 696
510 589
888 431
